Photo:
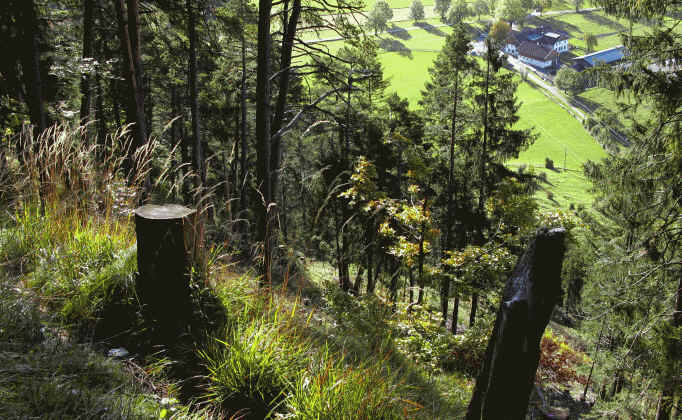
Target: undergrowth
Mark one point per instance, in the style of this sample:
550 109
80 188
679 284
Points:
68 260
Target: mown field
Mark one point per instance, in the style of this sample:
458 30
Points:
407 55
559 133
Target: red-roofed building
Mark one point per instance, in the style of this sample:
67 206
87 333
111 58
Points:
536 55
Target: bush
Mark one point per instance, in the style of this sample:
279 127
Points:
559 361
331 390
252 370
549 163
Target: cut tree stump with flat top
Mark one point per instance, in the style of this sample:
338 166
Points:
165 253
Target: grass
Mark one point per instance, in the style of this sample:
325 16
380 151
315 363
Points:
561 138
598 97
67 273
559 132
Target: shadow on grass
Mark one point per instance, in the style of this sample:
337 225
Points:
430 28
555 24
393 45
399 32
367 336
604 21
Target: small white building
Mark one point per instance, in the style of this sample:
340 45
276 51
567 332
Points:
555 41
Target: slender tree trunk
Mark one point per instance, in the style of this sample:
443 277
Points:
129 34
88 18
280 105
263 225
411 274
199 166
100 114
371 275
30 63
243 203
455 314
474 308
447 237
671 382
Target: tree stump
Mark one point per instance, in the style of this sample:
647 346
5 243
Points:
506 379
165 254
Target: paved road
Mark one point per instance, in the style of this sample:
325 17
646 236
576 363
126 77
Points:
564 12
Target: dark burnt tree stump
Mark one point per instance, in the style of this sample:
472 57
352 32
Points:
506 379
165 254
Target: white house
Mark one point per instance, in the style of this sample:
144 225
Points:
542 37
555 41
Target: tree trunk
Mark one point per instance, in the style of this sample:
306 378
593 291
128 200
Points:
506 379
447 236
474 309
88 17
264 227
129 34
673 348
165 254
243 201
411 274
199 166
30 63
455 314
280 105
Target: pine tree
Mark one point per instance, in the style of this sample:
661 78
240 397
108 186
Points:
639 190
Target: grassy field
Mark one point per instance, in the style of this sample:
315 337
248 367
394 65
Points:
406 58
598 97
561 138
558 131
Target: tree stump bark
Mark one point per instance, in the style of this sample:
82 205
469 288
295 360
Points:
505 382
165 254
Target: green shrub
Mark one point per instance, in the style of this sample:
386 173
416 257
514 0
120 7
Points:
331 390
549 163
253 369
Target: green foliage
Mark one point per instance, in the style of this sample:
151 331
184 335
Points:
591 41
416 11
251 370
441 7
379 16
327 389
500 30
480 7
569 80
427 343
511 10
459 10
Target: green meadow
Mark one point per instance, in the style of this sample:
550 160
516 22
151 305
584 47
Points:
559 134
407 56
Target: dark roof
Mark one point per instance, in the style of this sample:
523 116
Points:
608 56
533 50
542 32
512 39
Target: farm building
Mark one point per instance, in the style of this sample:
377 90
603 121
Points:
537 56
539 47
609 56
